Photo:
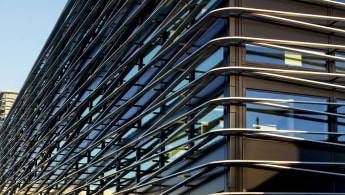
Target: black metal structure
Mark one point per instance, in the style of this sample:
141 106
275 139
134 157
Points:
183 97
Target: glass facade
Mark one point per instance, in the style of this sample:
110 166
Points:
182 97
288 112
283 57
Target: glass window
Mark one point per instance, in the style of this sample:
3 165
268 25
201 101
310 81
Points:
213 61
287 115
281 57
151 54
340 65
341 120
206 8
212 120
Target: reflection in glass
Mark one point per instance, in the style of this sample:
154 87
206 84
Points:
287 116
281 57
213 61
340 120
340 65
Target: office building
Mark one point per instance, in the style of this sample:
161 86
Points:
7 99
183 97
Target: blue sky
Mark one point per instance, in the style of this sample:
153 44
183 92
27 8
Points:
24 28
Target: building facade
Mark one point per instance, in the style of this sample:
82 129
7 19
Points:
183 97
7 99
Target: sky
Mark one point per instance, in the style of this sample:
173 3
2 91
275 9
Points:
25 26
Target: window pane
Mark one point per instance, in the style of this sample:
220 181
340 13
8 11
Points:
281 57
340 65
287 116
341 121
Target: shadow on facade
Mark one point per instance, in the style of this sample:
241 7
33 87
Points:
293 167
